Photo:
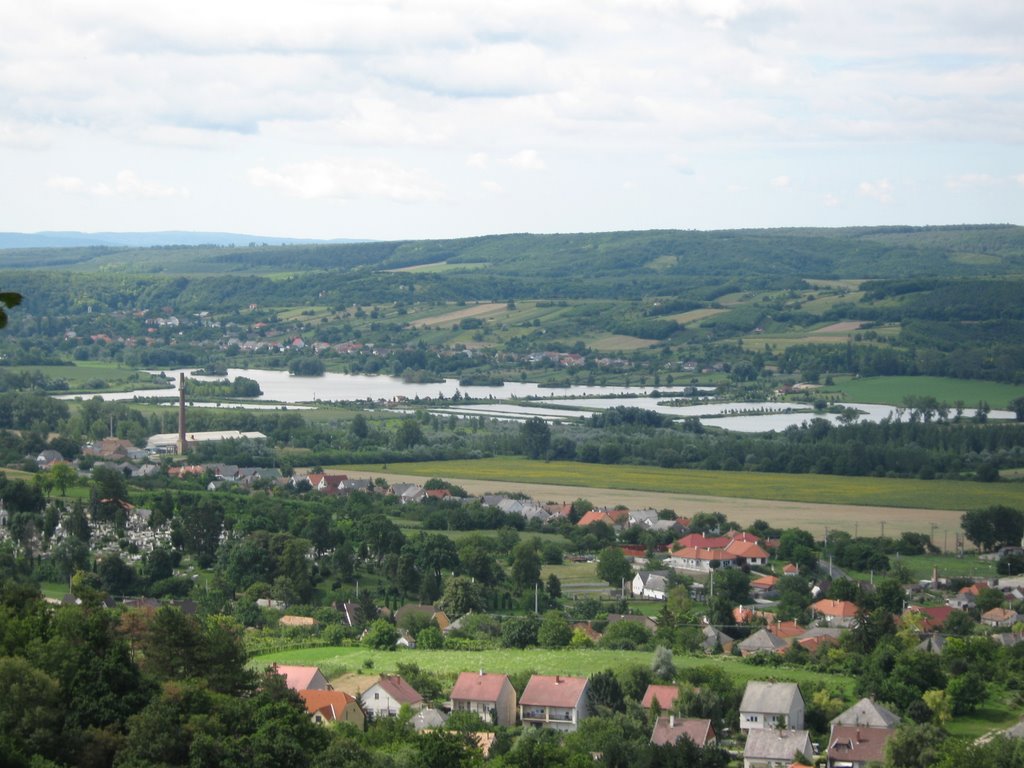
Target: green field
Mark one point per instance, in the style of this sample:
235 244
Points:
892 390
89 376
335 661
817 489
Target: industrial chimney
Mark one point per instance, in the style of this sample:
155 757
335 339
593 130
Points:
182 442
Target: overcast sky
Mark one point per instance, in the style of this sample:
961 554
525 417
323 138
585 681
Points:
442 118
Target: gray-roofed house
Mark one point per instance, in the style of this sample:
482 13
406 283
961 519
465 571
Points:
650 584
428 720
770 706
867 713
776 748
762 641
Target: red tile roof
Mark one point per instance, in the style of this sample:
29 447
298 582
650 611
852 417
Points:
843 609
297 678
478 686
668 730
331 703
553 691
665 695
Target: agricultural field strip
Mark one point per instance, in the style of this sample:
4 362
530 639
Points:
804 488
477 310
865 520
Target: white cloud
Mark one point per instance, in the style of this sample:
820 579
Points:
125 184
830 201
971 180
781 182
21 136
681 165
348 179
877 190
492 186
478 160
1020 178
526 160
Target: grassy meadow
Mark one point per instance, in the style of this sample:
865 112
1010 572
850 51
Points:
336 661
894 389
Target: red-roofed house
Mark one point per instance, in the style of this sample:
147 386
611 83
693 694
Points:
669 730
385 697
665 695
764 584
747 552
333 706
790 569
596 516
489 695
303 678
932 617
701 541
1000 617
855 746
743 536
700 560
836 613
554 701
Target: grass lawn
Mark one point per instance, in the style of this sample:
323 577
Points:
819 489
335 661
54 589
997 713
893 389
950 566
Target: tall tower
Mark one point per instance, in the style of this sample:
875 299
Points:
182 442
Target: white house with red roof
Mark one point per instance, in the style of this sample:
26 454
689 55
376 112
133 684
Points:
747 552
836 613
489 695
385 697
700 560
554 701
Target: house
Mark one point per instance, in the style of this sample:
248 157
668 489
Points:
747 552
333 707
652 584
1000 617
407 493
665 695
776 748
854 746
490 695
762 641
554 701
303 678
429 719
931 618
836 613
764 585
670 729
700 560
868 714
716 641
771 706
385 697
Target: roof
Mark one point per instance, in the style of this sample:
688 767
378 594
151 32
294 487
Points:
764 582
334 702
297 678
427 719
786 629
668 730
479 686
763 641
851 743
777 745
999 614
701 541
692 553
747 549
399 690
934 616
770 698
867 713
843 609
554 691
665 695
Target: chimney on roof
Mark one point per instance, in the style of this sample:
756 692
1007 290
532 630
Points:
558 679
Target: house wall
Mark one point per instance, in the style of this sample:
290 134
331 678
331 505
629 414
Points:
378 703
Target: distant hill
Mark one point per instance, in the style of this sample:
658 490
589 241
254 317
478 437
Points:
147 239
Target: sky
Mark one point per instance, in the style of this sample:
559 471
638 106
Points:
395 119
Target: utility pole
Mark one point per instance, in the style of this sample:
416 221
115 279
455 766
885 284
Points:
535 604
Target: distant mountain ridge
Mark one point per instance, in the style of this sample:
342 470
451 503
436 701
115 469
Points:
73 239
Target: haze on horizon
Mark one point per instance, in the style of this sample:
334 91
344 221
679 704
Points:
447 118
